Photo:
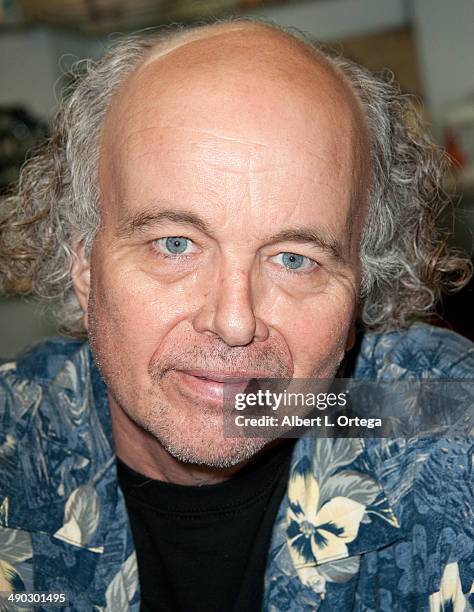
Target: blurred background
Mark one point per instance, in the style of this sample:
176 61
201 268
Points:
427 44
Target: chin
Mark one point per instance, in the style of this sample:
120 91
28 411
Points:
206 448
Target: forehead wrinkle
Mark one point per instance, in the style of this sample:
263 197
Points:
170 126
249 143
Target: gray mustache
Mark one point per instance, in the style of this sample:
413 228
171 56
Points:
270 359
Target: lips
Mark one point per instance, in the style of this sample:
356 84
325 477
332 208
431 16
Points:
226 377
208 386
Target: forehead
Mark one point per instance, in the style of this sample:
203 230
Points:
235 80
233 101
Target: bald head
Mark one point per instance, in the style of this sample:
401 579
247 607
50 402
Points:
247 60
251 84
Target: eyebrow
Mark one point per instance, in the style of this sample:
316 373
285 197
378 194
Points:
139 222
312 236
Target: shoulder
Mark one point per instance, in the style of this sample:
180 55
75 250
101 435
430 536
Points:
42 360
421 351
424 476
25 380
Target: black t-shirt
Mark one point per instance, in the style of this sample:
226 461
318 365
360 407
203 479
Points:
204 548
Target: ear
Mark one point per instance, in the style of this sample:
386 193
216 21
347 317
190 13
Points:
81 279
351 338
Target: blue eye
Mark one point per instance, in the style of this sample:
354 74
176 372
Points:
294 262
172 246
176 244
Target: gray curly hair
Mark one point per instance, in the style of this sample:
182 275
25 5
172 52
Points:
406 262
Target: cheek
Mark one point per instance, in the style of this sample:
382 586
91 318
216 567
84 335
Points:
316 332
130 310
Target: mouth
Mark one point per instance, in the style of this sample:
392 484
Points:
209 385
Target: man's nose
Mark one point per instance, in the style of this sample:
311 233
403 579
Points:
228 311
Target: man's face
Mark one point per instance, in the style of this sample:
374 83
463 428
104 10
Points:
229 237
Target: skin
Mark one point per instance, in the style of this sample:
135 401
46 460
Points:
244 132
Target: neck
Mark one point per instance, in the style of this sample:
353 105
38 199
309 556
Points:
141 451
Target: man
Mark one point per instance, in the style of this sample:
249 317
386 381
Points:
216 204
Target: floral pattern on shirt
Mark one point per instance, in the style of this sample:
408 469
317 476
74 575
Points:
325 511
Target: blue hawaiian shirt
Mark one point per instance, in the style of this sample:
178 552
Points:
366 524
